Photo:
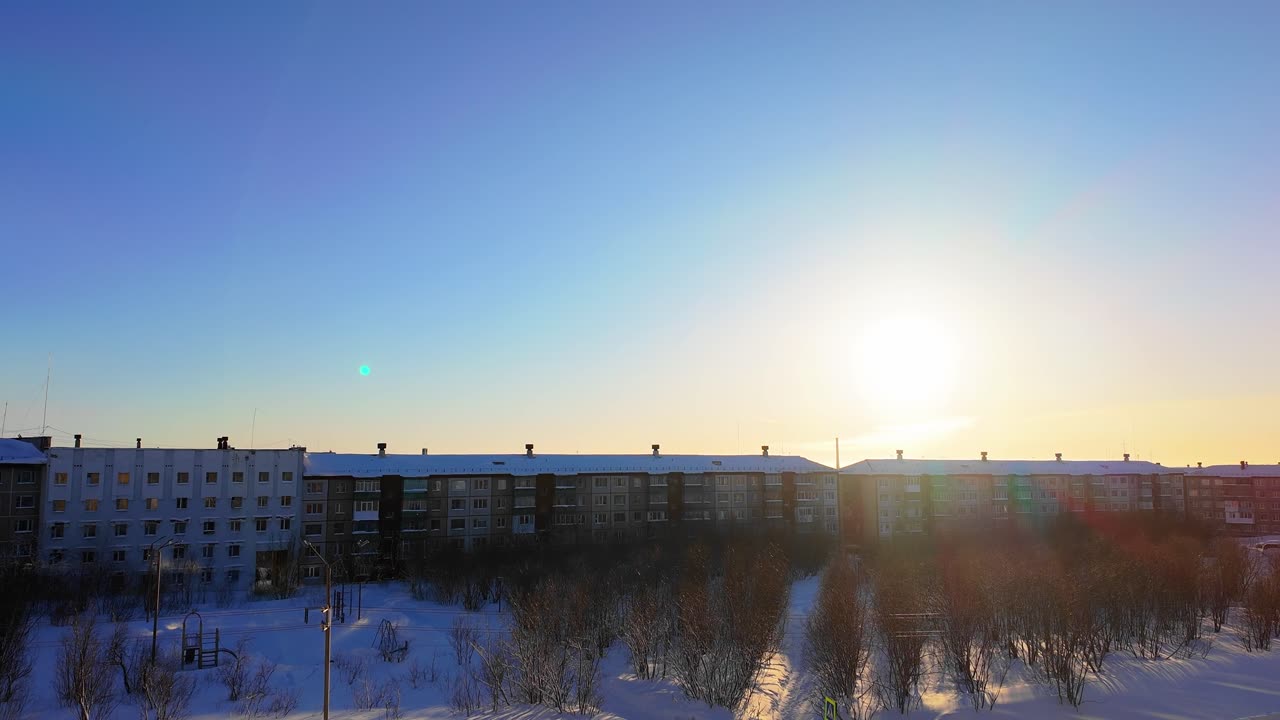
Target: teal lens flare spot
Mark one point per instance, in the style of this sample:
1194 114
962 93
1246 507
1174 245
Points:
364 369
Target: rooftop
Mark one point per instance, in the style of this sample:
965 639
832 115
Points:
1005 467
20 452
361 465
1249 470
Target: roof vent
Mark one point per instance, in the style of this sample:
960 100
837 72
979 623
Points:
382 449
1199 464
764 450
1126 457
139 443
899 454
424 451
1057 456
984 456
1244 465
655 449
528 450
78 439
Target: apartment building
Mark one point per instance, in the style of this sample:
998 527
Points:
402 506
885 498
22 469
223 515
1244 499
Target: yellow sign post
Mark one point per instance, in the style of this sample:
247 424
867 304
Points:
829 710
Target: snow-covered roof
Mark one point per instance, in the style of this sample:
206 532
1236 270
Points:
1004 467
20 452
1250 470
358 465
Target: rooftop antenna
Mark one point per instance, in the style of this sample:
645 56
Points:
44 417
253 428
6 418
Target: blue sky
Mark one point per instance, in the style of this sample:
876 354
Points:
597 226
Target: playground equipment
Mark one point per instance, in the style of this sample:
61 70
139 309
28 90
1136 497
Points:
388 643
199 652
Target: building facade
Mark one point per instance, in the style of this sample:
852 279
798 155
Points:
1243 499
22 470
882 499
223 516
385 510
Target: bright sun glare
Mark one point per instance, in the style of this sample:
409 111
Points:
904 364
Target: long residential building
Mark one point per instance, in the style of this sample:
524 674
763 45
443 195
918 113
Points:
229 515
1244 498
382 510
881 499
22 467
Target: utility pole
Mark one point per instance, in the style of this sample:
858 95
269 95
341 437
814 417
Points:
326 622
155 619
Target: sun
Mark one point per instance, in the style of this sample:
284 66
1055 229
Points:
904 365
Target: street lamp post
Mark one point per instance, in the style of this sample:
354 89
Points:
155 619
325 626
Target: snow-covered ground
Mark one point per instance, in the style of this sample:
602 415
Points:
1226 683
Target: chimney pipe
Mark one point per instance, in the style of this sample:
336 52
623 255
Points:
382 449
1199 464
424 451
984 456
764 450
899 454
1126 457
528 449
77 439
1057 456
655 449
1243 465
139 443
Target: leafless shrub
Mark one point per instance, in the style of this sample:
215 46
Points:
234 675
16 625
350 666
495 669
462 638
900 614
366 693
256 697
419 676
83 674
1228 578
1261 616
283 702
648 630
162 691
837 635
464 695
967 629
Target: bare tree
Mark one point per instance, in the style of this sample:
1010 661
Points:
900 615
968 632
837 635
162 691
1229 578
16 624
83 677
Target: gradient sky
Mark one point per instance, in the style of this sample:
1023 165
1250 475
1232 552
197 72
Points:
944 228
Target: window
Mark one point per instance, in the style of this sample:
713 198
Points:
59 478
91 505
619 499
602 500
210 503
314 487
311 572
26 502
437 485
480 484
89 531
206 575
179 527
339 528
458 524
237 476
635 483
122 503
260 524
599 518
286 523
153 478
86 556
209 527
150 527
22 525
211 478
93 478
480 504
264 476
479 523
457 504
286 501
237 503
363 486
179 552
500 503
120 529
184 478
366 506
57 530
502 483
657 515
312 529
207 550
600 482
339 509
458 485
180 503
233 575
619 517
151 503
313 508
620 482
263 500
500 522
286 476
235 525
59 505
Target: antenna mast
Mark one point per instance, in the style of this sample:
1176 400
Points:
44 416
253 428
